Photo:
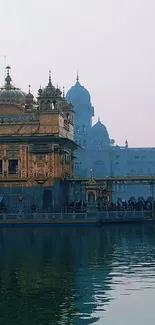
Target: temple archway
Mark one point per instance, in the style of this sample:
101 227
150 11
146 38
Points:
91 197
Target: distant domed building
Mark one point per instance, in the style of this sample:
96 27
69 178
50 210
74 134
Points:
99 136
99 152
78 93
84 111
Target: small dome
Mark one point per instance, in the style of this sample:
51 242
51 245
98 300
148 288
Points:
99 127
29 97
12 95
78 93
91 182
49 90
99 133
9 93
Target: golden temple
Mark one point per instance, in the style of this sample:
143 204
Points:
36 136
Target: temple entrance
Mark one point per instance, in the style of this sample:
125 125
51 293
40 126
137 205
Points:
47 200
91 197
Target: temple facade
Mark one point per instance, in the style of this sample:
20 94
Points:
36 145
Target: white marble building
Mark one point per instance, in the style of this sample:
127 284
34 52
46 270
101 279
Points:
101 154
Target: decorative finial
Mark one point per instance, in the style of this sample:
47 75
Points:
91 174
8 69
126 144
8 78
99 120
63 92
39 91
49 76
29 88
77 78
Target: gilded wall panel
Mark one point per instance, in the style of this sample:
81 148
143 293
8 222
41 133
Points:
40 165
50 165
12 154
31 165
23 160
10 110
6 129
28 129
54 129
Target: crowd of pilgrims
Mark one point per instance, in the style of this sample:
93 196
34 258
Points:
130 205
121 205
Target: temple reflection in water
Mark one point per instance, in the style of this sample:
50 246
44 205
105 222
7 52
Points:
69 275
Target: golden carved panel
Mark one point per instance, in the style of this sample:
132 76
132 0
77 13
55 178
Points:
10 110
50 165
23 160
31 166
40 165
13 147
12 154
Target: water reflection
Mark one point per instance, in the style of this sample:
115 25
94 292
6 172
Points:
73 275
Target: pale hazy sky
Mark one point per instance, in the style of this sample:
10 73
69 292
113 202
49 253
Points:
110 42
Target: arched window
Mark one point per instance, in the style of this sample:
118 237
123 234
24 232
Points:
53 106
68 116
91 197
43 105
48 104
67 160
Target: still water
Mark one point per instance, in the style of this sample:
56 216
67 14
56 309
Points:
77 275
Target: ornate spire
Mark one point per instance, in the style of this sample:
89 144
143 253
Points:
29 97
99 120
126 144
39 91
8 78
77 77
8 69
91 174
63 94
49 76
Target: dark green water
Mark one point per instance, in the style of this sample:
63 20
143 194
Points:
77 275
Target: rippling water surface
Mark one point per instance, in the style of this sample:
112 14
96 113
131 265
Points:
77 275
